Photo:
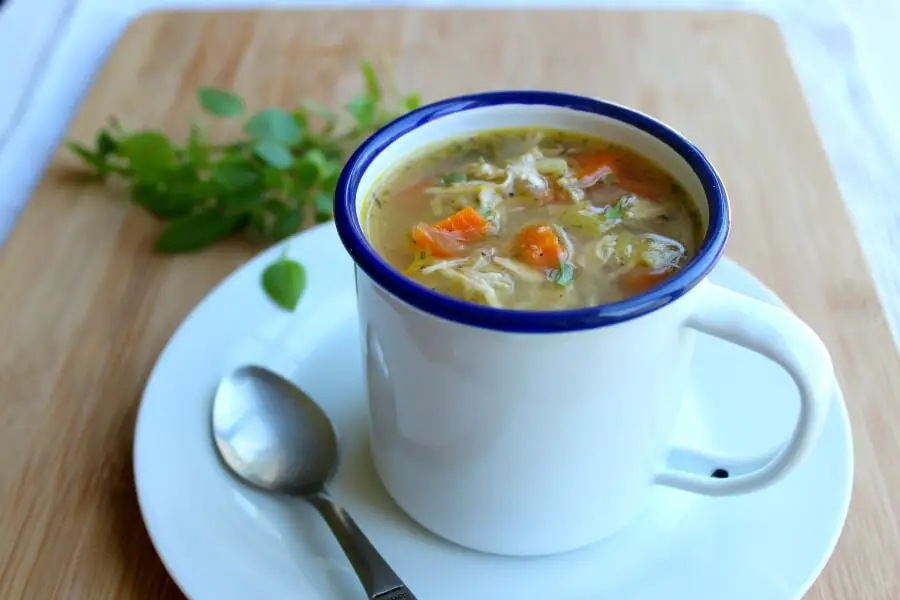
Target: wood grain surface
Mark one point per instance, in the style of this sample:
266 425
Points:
87 306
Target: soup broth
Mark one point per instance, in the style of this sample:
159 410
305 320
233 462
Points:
532 219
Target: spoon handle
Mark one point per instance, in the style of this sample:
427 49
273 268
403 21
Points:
376 576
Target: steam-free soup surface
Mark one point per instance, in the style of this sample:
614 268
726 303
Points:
533 220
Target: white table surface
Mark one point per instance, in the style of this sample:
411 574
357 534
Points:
846 53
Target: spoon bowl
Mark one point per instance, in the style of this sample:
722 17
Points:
271 434
274 437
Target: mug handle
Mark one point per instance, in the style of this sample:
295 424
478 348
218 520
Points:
780 336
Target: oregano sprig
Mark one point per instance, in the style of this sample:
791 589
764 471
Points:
267 185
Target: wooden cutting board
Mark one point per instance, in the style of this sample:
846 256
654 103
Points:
87 306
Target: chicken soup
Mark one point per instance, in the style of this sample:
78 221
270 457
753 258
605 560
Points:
533 220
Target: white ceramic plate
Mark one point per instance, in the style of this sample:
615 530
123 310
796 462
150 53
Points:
222 541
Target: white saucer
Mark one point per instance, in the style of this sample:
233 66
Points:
221 541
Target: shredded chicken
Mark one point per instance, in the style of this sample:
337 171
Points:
639 209
525 175
486 285
444 264
661 252
447 199
485 170
566 241
520 270
571 187
477 278
488 197
605 248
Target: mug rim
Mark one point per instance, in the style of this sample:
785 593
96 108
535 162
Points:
350 229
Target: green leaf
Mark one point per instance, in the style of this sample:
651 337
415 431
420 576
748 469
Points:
373 88
106 144
331 150
451 178
274 154
564 274
162 202
301 118
274 124
284 281
234 172
313 167
306 173
266 217
220 103
329 185
324 204
412 102
197 150
613 212
195 232
274 178
82 151
362 108
324 165
95 161
286 224
248 200
149 153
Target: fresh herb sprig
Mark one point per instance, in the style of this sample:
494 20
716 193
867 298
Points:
267 185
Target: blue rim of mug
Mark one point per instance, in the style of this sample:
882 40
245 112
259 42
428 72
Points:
353 237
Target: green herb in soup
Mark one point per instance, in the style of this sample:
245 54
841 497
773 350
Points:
533 220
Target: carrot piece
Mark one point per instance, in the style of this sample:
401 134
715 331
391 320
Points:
540 246
596 164
467 223
446 237
641 280
635 178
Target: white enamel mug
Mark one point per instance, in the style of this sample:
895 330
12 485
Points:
526 433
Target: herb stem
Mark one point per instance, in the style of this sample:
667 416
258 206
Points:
260 186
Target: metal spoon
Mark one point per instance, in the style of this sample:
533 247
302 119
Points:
275 438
